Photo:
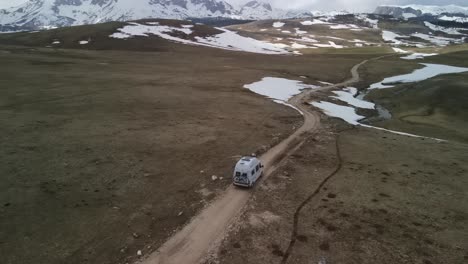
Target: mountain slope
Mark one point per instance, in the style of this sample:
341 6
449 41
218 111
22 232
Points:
420 10
39 14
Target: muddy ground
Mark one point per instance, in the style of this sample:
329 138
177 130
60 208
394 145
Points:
105 153
394 199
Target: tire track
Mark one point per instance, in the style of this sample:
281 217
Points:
309 199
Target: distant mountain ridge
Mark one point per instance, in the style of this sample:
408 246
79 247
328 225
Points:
40 14
409 11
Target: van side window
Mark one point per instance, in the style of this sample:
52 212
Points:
257 167
253 172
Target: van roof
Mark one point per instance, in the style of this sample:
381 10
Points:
246 162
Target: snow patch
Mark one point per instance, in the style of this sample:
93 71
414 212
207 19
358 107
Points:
314 22
398 50
389 36
299 31
429 71
295 45
454 18
347 95
349 115
406 16
416 56
225 40
278 24
450 31
346 113
330 45
439 41
280 90
83 42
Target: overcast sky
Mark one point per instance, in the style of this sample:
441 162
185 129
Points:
326 5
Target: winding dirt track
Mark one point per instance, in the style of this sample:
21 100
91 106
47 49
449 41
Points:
207 229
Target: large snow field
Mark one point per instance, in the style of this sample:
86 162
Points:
226 40
280 90
429 71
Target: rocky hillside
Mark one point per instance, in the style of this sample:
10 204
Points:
411 11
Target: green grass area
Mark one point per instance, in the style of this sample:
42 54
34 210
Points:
436 107
374 50
404 27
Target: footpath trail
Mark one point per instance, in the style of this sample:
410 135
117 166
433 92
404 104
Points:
206 230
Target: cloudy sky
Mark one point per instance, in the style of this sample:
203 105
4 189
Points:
326 5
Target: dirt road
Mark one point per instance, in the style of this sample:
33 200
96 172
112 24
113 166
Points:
206 230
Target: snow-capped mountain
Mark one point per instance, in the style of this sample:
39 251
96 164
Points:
38 14
260 10
420 10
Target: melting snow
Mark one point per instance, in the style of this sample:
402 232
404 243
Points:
429 71
439 41
341 26
226 40
330 45
278 89
290 105
347 95
373 22
392 37
314 22
232 40
326 83
415 56
286 31
452 31
278 24
83 42
56 42
398 50
409 15
456 19
346 113
299 31
306 39
295 45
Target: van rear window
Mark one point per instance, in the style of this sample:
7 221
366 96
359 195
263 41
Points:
238 173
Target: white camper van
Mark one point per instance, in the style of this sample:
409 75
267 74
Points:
247 171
